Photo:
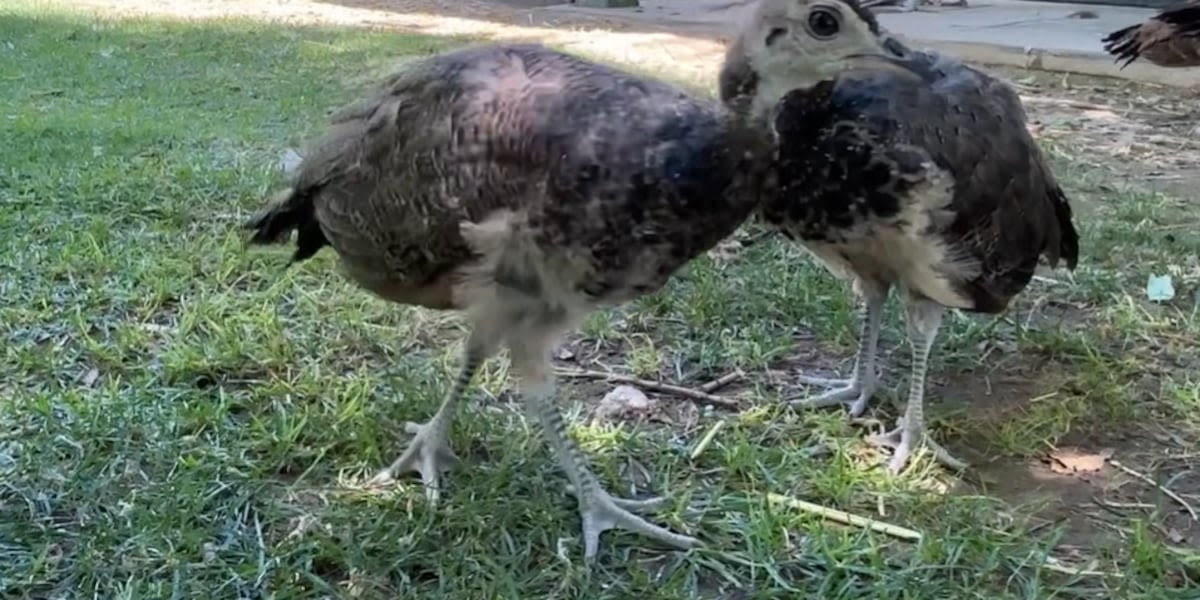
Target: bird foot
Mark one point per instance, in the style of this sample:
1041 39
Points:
845 391
601 512
902 441
428 454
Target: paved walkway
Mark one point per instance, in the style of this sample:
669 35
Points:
1052 36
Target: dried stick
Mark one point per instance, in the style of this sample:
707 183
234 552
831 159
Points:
1161 488
846 518
707 440
1049 565
903 533
666 388
722 381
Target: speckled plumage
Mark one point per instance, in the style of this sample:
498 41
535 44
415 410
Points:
1169 39
897 169
927 149
617 179
525 187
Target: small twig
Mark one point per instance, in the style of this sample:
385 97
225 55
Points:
1146 478
1121 505
1067 102
1057 568
1184 553
846 518
707 440
1047 280
1044 524
1179 226
666 388
722 381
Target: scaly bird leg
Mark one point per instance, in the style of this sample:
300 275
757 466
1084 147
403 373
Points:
599 510
857 390
924 320
429 452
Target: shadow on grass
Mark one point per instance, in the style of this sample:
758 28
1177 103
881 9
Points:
184 418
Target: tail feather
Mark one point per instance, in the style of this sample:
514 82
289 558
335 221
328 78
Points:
1068 245
1123 44
289 210
1175 25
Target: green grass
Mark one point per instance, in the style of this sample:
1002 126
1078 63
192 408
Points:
184 418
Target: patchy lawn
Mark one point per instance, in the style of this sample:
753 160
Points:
182 417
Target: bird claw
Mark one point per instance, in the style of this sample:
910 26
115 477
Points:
428 454
601 512
902 440
643 505
845 391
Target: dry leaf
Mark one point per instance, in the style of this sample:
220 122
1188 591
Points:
1077 460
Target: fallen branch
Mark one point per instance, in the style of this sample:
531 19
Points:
1162 488
722 381
665 388
846 518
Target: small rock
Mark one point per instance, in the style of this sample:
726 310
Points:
89 378
208 552
621 400
1175 537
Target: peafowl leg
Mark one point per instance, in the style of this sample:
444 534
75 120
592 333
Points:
924 320
857 390
429 452
600 511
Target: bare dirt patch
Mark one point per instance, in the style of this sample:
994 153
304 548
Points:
1096 487
1129 130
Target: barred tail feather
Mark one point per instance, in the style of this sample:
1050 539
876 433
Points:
289 210
1123 45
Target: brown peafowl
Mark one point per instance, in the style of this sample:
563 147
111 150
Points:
526 188
897 169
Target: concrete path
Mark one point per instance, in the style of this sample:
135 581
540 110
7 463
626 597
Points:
1050 36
